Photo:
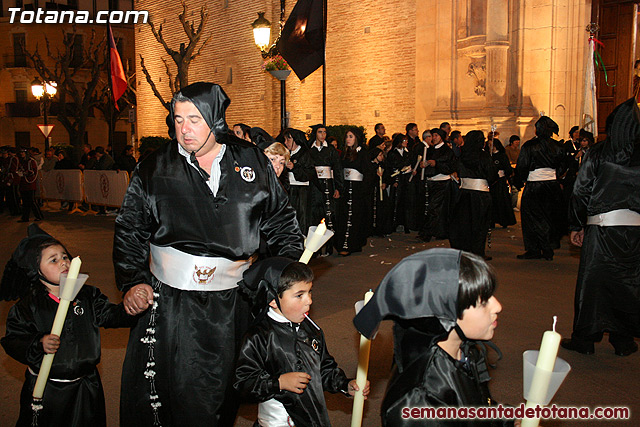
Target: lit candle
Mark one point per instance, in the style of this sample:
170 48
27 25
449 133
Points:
542 375
424 156
58 322
361 376
313 243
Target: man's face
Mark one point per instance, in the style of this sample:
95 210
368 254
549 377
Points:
516 143
191 129
575 134
459 141
447 129
380 131
435 139
413 132
321 135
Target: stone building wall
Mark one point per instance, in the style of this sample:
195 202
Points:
394 62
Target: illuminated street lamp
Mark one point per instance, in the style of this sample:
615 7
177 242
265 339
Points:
44 92
262 33
262 38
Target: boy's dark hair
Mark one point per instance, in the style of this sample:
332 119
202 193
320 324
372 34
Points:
477 280
410 126
294 273
454 134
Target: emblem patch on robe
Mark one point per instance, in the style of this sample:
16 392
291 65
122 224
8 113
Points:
247 174
315 345
203 275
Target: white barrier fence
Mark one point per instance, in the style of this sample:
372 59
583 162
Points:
106 188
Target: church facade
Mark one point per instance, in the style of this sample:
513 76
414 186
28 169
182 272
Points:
473 63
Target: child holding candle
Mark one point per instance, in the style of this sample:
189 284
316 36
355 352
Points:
442 304
284 363
73 395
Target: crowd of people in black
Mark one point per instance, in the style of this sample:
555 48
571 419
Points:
440 183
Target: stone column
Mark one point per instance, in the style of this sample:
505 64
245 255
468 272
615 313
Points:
497 44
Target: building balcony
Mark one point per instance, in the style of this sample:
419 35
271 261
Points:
16 61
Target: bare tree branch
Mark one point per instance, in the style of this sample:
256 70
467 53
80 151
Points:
155 90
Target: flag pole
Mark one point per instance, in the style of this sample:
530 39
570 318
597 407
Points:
324 65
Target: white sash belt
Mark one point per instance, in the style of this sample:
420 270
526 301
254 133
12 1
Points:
352 175
475 184
294 181
324 172
195 273
624 217
542 174
57 380
440 177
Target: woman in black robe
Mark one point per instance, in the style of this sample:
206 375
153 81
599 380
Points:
501 210
350 235
381 210
398 169
605 220
471 214
301 175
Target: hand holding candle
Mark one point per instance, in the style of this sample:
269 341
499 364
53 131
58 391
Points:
315 239
61 314
361 376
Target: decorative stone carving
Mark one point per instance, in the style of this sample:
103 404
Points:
478 70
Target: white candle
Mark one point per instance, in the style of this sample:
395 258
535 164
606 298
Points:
312 242
415 167
542 376
361 376
380 170
58 322
424 156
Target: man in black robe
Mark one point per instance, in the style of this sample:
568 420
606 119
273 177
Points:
605 220
438 166
540 161
330 179
377 139
190 222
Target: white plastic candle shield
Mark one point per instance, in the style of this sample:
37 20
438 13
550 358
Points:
317 236
551 379
69 288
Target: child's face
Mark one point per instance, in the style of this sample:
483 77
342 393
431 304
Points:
54 262
295 302
480 321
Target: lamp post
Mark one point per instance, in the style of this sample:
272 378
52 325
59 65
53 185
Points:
44 92
262 37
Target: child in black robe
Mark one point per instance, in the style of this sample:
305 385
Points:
442 304
284 363
73 395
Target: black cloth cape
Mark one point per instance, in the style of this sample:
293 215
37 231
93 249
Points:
434 211
198 333
303 170
471 214
351 218
324 188
271 349
607 294
78 403
541 207
398 195
501 209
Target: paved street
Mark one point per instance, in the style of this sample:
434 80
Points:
531 292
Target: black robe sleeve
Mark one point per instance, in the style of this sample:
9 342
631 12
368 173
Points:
22 340
108 314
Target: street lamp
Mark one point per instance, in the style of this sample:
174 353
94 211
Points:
262 33
44 91
262 38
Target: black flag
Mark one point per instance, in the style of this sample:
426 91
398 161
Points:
302 41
